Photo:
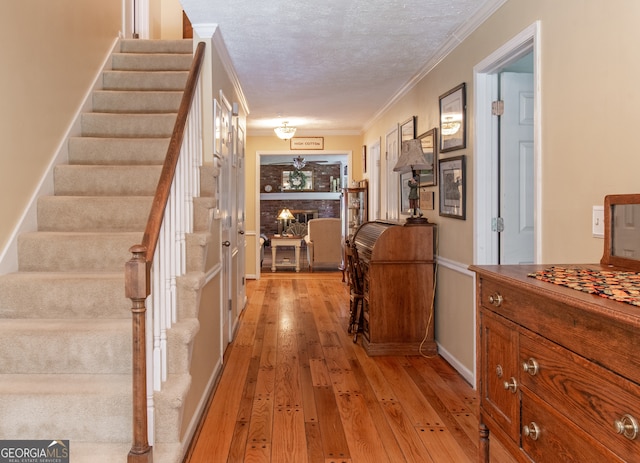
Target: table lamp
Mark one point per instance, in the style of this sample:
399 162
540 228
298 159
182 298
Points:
412 160
285 215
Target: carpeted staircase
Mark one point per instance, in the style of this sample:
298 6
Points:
65 334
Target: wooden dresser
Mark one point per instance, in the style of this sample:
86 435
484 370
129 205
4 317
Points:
397 264
558 369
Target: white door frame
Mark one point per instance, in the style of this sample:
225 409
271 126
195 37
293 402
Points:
135 19
392 151
486 180
259 154
373 160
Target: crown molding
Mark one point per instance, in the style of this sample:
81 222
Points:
212 31
458 36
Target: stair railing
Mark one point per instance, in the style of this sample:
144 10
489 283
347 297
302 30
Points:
150 275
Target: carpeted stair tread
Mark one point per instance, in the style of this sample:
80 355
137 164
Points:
71 346
117 101
117 151
128 125
93 213
75 252
144 80
89 408
92 180
156 46
151 62
63 295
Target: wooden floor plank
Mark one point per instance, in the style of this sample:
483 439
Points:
417 407
334 442
295 388
315 453
238 442
291 444
412 446
447 414
442 446
360 430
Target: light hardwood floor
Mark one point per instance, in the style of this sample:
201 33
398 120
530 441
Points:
295 389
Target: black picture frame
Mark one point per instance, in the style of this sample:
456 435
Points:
429 143
408 130
453 120
453 192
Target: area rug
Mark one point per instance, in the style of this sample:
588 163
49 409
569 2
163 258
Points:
616 285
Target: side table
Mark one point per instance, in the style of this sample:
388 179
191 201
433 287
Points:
282 241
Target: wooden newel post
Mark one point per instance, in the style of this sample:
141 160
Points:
137 288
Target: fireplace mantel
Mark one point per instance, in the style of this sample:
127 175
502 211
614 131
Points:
317 195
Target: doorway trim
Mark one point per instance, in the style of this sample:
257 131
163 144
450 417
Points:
259 155
486 144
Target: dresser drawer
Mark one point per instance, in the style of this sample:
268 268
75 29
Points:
585 329
590 396
551 438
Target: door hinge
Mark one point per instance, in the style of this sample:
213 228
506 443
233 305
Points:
230 305
497 108
497 224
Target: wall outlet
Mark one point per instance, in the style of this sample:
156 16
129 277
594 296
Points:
597 222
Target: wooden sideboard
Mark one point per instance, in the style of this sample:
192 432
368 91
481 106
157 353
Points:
397 264
558 369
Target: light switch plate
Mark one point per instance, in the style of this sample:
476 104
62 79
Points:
597 222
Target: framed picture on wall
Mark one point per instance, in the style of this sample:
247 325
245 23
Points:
429 177
452 187
453 129
297 180
408 130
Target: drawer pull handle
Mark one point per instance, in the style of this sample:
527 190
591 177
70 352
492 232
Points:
532 431
511 386
627 426
495 300
530 366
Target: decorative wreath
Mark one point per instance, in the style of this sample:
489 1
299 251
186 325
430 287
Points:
297 180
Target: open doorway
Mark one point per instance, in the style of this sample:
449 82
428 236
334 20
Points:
507 157
316 195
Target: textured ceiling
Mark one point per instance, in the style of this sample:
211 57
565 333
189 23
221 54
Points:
330 66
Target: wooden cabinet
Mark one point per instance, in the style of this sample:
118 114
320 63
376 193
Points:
354 209
559 371
354 213
397 264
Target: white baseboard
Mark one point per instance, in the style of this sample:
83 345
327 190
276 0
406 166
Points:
467 374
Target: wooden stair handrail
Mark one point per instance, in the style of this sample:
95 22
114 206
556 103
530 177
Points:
151 233
138 269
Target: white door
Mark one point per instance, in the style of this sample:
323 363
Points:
241 295
391 176
227 202
374 184
516 168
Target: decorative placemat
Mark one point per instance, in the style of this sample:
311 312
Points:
619 286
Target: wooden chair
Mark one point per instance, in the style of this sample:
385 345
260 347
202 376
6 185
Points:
356 293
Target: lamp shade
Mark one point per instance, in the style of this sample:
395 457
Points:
411 157
285 214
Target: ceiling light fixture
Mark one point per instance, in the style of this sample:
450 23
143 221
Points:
299 162
285 132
